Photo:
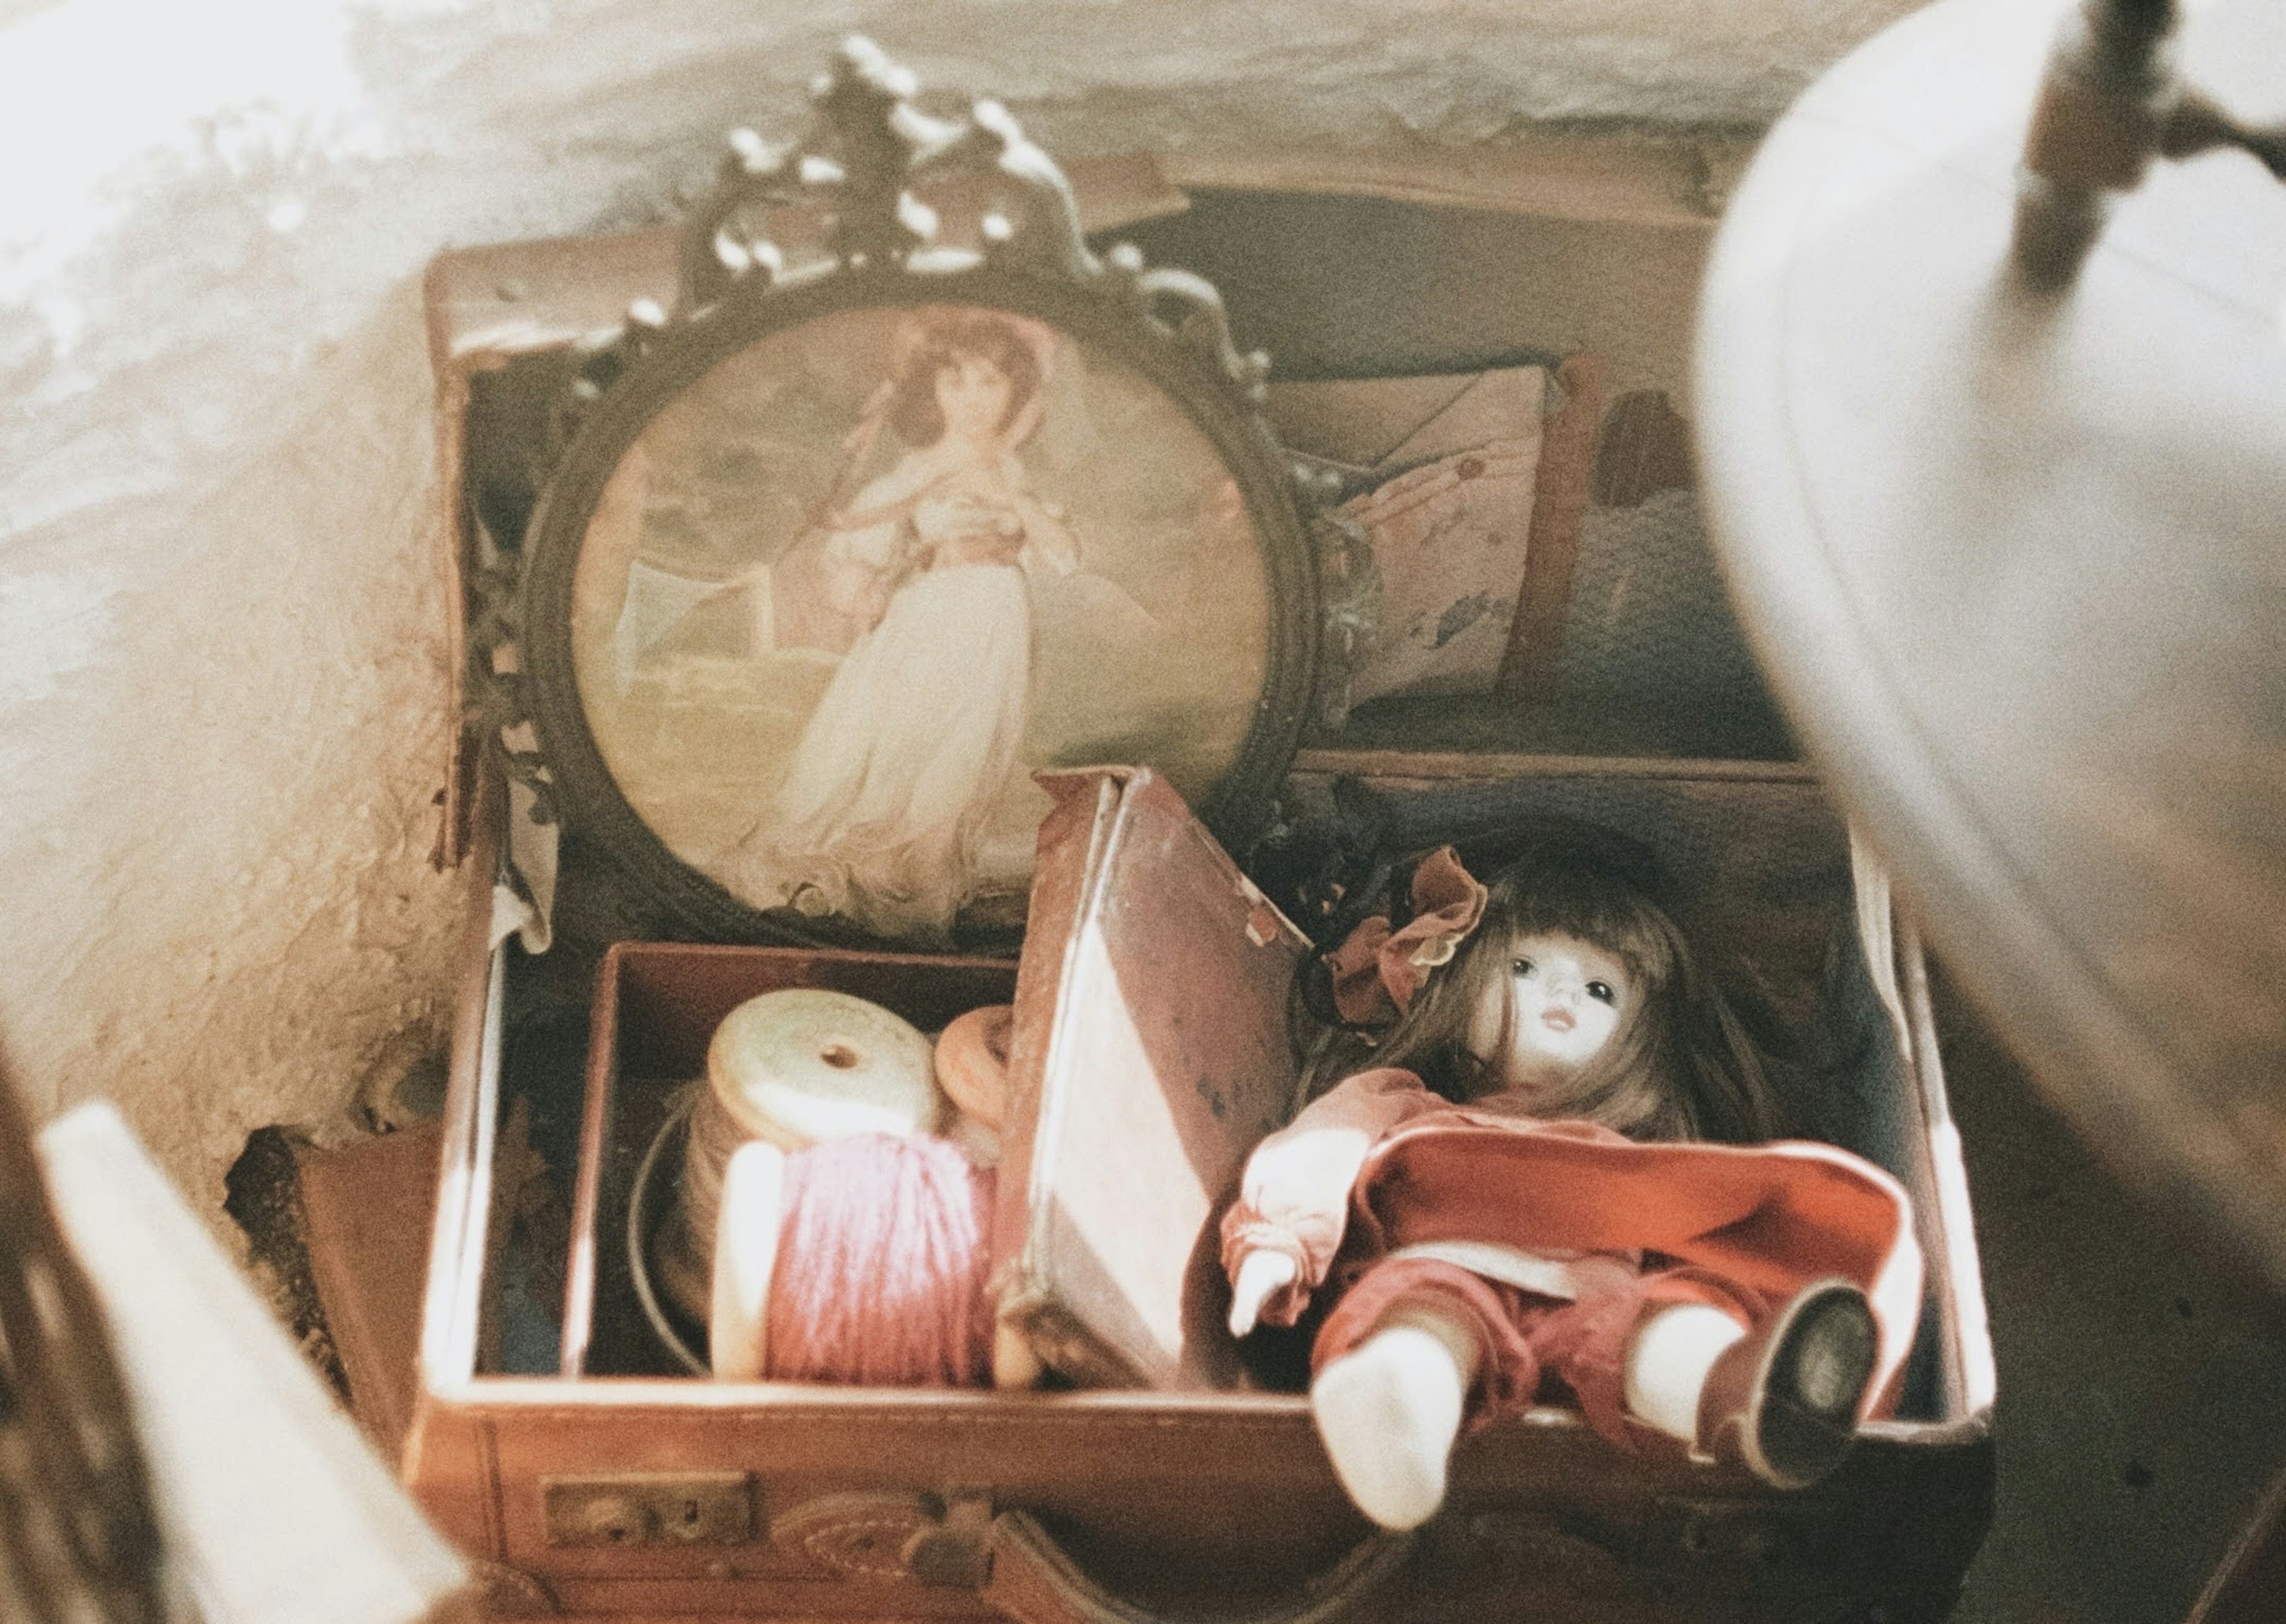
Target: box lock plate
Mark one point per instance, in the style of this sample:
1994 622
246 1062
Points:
678 1507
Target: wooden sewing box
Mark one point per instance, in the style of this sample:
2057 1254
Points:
594 1478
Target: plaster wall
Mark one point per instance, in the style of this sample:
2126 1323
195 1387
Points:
222 668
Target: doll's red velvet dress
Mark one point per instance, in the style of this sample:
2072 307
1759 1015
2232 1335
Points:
1552 1238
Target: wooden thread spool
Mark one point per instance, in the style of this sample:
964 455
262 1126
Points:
788 1069
972 1068
862 1260
971 1062
884 1245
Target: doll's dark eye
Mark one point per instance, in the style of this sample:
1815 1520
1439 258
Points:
1522 966
1601 991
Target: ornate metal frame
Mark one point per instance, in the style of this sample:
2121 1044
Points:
855 170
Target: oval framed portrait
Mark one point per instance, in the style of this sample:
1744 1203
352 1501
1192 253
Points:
825 577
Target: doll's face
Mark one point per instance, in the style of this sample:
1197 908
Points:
1569 997
974 394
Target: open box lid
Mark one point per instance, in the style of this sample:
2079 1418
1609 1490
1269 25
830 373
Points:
1153 964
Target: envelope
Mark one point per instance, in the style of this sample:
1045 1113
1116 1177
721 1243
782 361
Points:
1451 465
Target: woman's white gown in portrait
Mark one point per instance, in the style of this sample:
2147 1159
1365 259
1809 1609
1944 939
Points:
919 733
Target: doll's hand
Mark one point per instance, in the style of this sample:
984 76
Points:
1262 1274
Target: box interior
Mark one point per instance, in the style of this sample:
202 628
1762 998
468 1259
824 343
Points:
668 997
1767 861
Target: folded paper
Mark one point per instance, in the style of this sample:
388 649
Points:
1454 465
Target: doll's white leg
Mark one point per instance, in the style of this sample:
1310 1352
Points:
1667 1361
1389 1410
746 1257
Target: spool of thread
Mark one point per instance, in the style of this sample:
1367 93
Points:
971 1062
860 1260
794 1068
882 1255
805 1064
858 1255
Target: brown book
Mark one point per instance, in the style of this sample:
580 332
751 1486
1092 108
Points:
1150 1054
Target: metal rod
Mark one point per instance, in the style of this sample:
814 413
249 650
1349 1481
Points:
2110 101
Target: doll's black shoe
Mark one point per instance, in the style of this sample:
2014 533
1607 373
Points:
1783 1402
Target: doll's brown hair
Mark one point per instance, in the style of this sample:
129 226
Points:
1680 1067
913 410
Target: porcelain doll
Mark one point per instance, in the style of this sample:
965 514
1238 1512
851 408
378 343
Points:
1515 1198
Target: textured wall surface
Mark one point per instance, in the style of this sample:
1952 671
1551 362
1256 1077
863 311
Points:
222 713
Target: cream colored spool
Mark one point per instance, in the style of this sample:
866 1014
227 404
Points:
745 1261
971 1062
803 1065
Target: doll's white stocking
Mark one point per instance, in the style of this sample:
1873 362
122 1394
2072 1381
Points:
1388 1411
1667 1361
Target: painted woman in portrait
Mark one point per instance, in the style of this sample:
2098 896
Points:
923 571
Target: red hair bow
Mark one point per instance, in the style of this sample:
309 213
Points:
1377 970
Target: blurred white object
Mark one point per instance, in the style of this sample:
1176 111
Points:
275 1509
2017 564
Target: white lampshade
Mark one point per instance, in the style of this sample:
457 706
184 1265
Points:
2017 567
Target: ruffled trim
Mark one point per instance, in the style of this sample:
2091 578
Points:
1377 971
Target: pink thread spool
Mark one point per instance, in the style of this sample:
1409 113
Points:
853 1256
881 1264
